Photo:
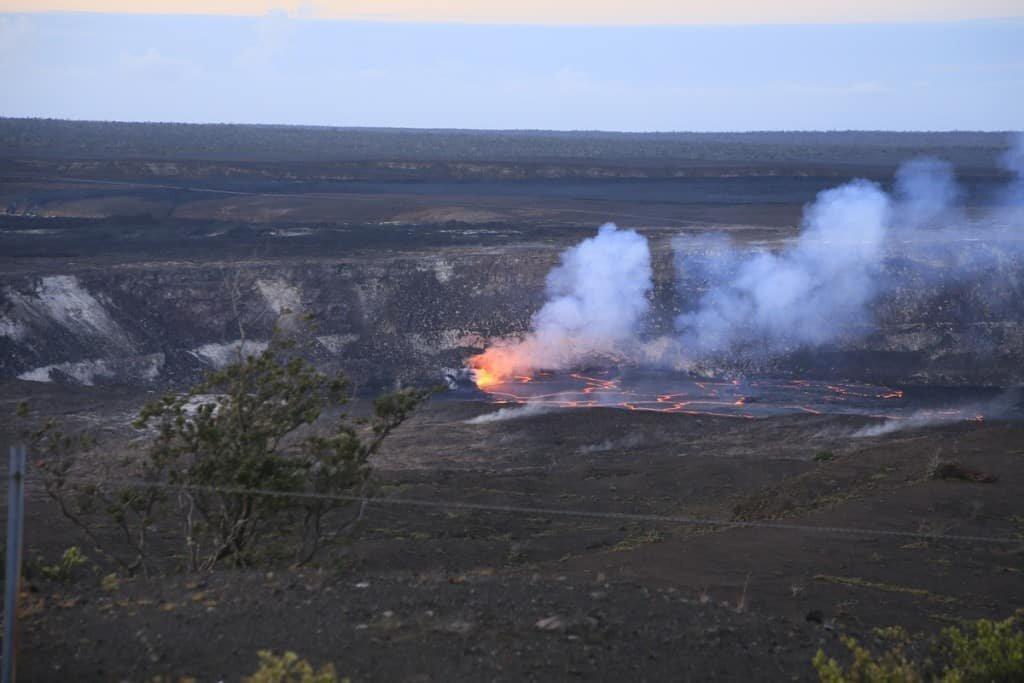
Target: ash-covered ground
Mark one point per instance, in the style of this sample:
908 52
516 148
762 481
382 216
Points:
592 542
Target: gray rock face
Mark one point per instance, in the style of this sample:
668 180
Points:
408 318
384 320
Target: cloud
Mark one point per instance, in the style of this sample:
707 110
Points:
271 36
16 36
155 65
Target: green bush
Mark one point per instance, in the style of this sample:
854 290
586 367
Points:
985 652
72 559
289 668
891 667
237 458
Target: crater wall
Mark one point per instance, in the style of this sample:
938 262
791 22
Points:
416 317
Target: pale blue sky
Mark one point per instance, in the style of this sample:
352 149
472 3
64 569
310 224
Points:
276 69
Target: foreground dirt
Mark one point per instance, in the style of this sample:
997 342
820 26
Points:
535 592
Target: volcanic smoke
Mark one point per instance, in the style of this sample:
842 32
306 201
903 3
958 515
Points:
805 295
597 296
757 304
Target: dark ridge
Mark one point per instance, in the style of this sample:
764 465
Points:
53 138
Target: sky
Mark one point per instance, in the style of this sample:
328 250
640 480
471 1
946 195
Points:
610 12
571 65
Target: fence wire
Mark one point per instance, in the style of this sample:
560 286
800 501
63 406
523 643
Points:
679 520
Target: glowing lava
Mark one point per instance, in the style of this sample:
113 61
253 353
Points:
506 375
484 378
505 381
497 365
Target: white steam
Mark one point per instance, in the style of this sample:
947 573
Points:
516 413
927 194
807 294
1013 161
824 287
1005 406
597 297
857 244
919 420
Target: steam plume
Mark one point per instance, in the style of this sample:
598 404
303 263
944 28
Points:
1013 161
927 193
808 294
857 244
597 297
516 413
1005 406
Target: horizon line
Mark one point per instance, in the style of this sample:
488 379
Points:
448 129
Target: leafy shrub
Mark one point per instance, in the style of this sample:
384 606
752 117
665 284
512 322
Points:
985 652
237 457
289 668
64 570
891 667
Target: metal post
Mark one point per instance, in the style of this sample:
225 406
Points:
12 579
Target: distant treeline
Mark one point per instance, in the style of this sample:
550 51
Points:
60 139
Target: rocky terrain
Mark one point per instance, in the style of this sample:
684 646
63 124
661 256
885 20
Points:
592 543
389 314
583 543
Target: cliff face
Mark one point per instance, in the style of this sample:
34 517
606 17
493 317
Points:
409 318
384 320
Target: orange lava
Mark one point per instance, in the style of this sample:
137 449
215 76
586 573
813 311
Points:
503 371
485 378
494 366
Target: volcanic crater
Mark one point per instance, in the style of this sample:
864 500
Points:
724 515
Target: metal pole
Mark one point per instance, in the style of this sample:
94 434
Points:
12 579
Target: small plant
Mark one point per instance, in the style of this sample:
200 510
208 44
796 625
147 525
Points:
289 668
985 652
64 570
894 634
891 667
110 583
824 456
638 537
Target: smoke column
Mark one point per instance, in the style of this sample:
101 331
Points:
1013 161
858 248
807 294
927 194
597 297
857 245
